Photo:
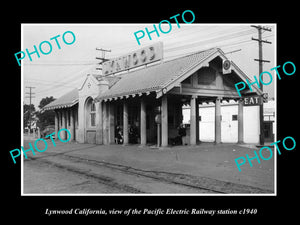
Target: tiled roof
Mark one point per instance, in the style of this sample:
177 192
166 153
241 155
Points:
111 80
67 100
145 80
154 78
71 98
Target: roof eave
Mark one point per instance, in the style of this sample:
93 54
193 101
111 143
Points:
68 105
127 94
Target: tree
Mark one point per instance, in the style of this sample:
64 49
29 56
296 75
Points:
45 117
28 111
46 101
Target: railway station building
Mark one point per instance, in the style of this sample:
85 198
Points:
140 90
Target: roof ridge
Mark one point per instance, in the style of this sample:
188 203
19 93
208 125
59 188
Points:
192 53
164 62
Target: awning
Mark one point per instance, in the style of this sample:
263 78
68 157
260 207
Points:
66 101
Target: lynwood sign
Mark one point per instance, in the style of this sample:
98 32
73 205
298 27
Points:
134 59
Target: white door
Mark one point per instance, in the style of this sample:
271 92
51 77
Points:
229 124
251 124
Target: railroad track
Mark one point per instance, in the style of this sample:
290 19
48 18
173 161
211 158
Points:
172 178
199 184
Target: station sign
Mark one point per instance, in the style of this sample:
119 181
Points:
252 100
255 99
134 59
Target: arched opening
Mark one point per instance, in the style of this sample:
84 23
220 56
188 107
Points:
90 121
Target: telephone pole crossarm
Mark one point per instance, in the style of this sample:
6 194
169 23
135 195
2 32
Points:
262 28
264 41
262 60
103 59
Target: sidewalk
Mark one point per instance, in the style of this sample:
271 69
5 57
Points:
205 160
31 137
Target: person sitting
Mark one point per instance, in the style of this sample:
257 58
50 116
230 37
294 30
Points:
133 134
118 135
182 133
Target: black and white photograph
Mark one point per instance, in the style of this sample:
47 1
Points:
149 109
144 111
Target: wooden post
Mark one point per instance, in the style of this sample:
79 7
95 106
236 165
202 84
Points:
72 127
111 124
99 123
125 123
143 123
164 121
240 122
218 121
193 121
56 120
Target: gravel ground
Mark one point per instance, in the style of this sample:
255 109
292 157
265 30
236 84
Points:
86 168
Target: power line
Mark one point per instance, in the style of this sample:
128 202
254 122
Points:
185 36
46 83
60 64
237 50
180 34
217 46
220 34
67 79
227 36
214 39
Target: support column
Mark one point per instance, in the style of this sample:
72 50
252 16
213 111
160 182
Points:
99 123
104 124
240 122
143 130
125 123
111 124
197 122
64 123
81 118
164 121
56 120
193 121
158 135
38 132
72 127
218 121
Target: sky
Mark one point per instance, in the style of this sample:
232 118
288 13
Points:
64 69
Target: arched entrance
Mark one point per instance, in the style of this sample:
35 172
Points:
90 121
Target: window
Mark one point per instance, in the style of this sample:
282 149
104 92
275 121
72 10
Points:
234 117
93 114
206 76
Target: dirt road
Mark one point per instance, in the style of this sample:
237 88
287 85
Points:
80 168
74 175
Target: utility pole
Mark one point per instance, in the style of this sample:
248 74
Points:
261 61
103 56
30 97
